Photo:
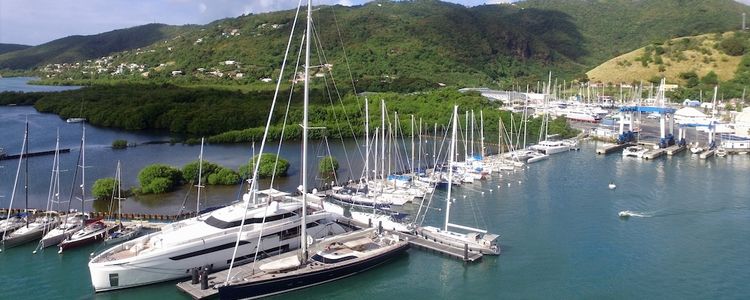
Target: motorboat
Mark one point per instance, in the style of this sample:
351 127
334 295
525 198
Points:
634 151
721 152
612 186
696 148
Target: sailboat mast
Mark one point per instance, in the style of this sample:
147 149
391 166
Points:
472 133
303 232
83 168
200 174
26 166
481 133
451 153
367 140
118 181
382 139
413 173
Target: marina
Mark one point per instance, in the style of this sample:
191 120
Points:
417 214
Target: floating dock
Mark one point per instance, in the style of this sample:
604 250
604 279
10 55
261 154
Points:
654 153
674 149
437 247
609 148
707 154
32 154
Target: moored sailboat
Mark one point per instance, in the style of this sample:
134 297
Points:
476 239
94 230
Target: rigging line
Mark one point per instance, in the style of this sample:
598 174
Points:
346 58
73 186
333 169
321 58
286 115
434 169
15 183
263 142
338 94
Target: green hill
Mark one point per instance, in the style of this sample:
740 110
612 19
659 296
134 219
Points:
5 48
614 27
397 46
79 48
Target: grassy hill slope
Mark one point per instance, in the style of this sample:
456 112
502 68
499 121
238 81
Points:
700 54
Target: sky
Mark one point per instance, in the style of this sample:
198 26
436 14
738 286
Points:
34 22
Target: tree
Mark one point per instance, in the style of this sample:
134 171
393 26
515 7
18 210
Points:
691 79
266 167
328 165
103 188
710 79
734 46
159 178
224 176
211 174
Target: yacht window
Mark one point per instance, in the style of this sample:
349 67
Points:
213 221
323 259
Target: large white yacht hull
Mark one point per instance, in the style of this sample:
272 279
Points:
176 262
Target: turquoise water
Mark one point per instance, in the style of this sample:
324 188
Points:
560 234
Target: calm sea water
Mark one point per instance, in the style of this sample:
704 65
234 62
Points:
560 235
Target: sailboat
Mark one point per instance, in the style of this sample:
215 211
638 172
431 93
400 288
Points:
35 230
70 223
335 258
477 239
123 232
95 230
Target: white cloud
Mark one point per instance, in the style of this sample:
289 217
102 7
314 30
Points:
202 7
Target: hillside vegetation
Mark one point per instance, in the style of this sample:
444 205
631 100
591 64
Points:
613 27
5 48
79 48
391 46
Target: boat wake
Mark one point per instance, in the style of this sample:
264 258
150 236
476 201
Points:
630 213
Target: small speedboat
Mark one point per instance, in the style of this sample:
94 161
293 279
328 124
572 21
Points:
612 186
625 214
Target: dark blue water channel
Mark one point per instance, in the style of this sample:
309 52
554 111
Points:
560 233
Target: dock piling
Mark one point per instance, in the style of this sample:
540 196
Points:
194 276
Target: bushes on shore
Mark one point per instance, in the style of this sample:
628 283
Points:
212 173
159 178
266 167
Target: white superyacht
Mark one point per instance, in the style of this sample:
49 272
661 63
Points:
209 240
